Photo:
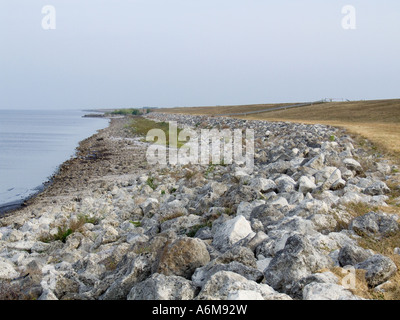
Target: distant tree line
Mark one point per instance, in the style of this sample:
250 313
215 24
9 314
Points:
132 111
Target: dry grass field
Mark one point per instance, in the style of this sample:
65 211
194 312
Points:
222 109
375 120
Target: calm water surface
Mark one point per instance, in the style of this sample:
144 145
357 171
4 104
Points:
34 143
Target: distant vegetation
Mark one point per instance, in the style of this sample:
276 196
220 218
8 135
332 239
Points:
126 111
141 126
131 111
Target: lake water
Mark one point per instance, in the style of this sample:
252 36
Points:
33 144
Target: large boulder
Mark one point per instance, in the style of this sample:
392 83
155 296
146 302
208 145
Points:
320 277
322 175
182 224
333 180
285 184
245 295
350 255
149 206
224 284
7 270
245 208
263 185
327 291
296 260
374 225
239 254
236 194
378 269
204 273
308 207
173 208
137 270
317 162
306 185
161 287
377 188
182 257
47 295
279 166
66 285
230 232
353 165
268 214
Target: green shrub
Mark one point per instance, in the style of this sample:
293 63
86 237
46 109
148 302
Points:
126 111
150 183
67 229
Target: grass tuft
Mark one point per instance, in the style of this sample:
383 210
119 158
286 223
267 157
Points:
150 182
141 126
172 216
66 230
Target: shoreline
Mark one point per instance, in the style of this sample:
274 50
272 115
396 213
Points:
95 158
10 208
112 227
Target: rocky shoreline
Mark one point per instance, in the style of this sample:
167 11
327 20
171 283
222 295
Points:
111 226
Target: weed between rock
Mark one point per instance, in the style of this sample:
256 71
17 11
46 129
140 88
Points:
172 216
150 183
196 228
67 229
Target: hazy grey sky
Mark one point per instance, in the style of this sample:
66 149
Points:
166 53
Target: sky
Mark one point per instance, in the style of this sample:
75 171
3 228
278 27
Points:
176 53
